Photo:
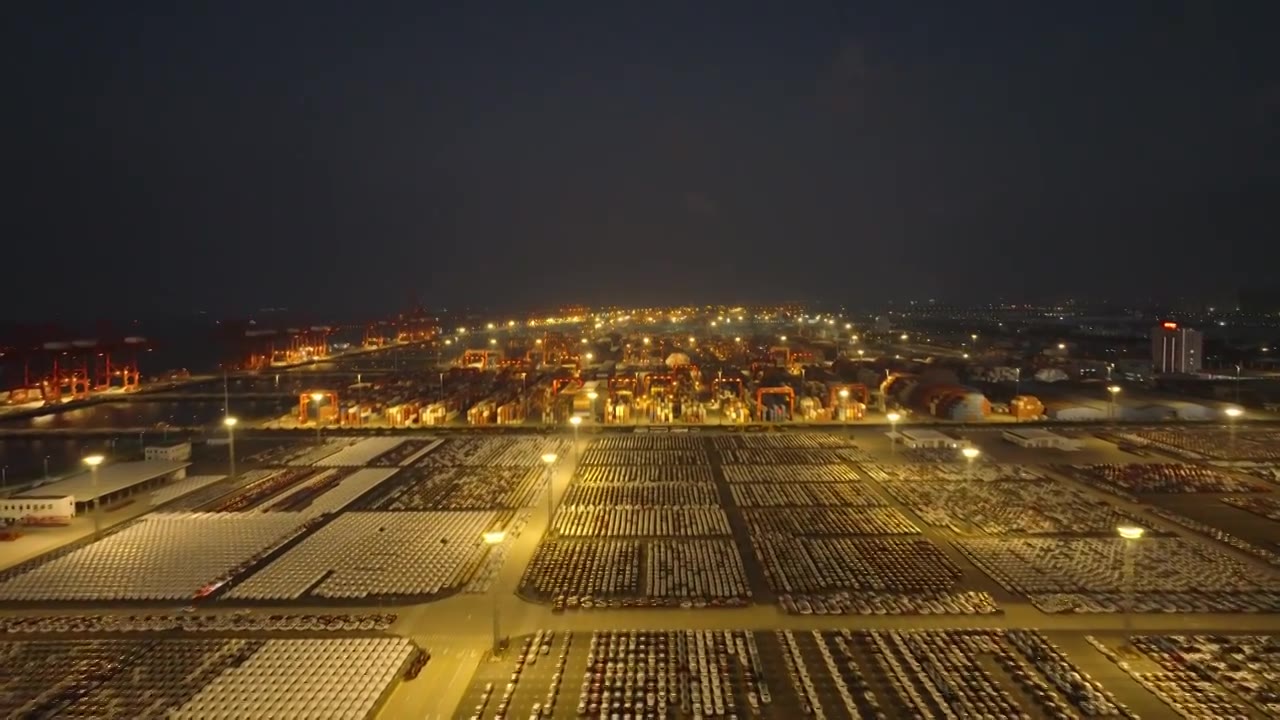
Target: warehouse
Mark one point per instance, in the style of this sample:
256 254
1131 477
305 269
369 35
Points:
171 450
927 439
1038 438
37 510
114 482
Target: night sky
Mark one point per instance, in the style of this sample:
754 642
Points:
343 157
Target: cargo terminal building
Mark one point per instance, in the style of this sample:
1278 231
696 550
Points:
115 482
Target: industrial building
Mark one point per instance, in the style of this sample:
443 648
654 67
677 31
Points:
917 438
37 510
114 482
1038 438
1176 350
170 451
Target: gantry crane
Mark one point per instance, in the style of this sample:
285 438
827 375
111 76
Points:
782 390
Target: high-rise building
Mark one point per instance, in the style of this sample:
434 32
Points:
1175 349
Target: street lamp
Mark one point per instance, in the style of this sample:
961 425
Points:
93 461
494 538
1131 534
575 421
230 423
844 407
1111 408
970 454
317 397
1232 413
893 432
549 459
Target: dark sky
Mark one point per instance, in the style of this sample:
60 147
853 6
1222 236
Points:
343 156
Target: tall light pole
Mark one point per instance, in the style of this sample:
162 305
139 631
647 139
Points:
575 421
1232 413
549 460
317 397
1111 408
93 461
592 397
230 423
493 539
970 454
893 432
1131 534
804 378
844 403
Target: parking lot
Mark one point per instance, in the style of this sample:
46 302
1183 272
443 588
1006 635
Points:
768 533
792 674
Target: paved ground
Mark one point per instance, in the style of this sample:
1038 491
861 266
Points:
458 630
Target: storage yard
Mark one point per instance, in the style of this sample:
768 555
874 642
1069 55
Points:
940 555
680 366
200 678
789 674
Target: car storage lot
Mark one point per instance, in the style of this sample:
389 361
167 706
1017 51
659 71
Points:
863 528
856 514
793 674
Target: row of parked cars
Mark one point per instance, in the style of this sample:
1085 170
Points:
242 621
